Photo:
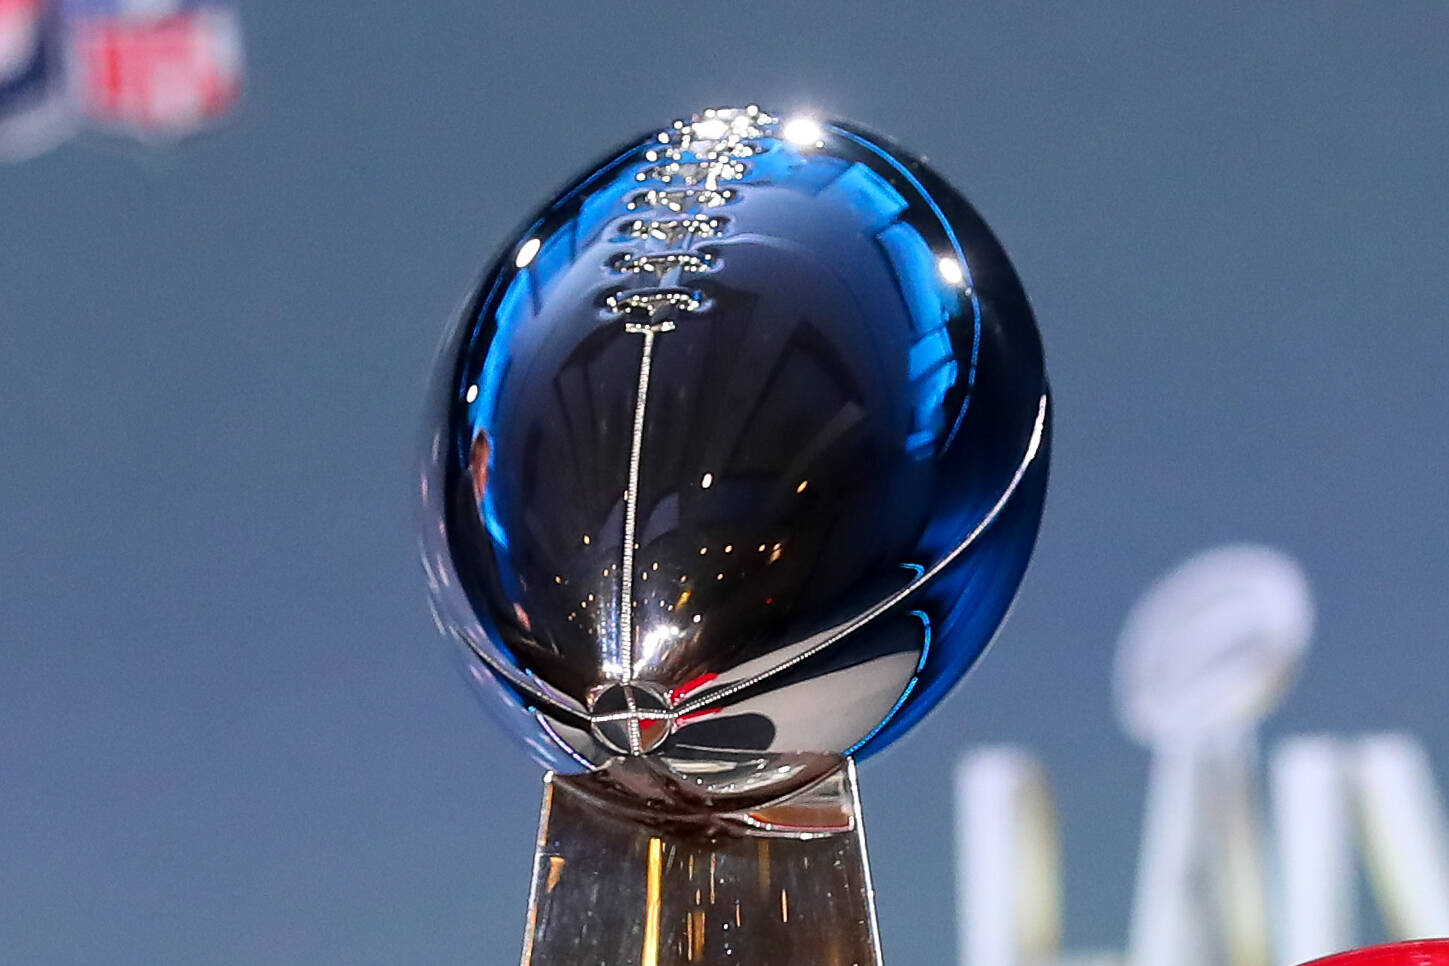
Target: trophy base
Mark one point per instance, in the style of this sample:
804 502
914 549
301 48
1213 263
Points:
783 884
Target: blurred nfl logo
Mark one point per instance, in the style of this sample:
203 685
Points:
154 67
33 109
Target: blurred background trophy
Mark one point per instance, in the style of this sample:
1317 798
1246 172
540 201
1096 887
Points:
735 462
1241 862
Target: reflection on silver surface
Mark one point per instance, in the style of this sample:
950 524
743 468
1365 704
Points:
737 453
780 885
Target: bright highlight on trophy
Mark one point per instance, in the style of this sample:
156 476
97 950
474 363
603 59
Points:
736 459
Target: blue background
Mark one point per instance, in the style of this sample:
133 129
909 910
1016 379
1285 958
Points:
228 731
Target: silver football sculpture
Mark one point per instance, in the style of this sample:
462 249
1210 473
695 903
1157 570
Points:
736 457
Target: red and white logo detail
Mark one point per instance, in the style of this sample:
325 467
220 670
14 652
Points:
166 75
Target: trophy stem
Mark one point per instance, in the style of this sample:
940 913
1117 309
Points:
787 884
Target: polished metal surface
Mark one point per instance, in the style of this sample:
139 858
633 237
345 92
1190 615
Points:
785 885
737 453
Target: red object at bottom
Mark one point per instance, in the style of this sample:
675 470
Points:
1420 952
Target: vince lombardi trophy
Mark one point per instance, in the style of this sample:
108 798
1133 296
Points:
734 462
